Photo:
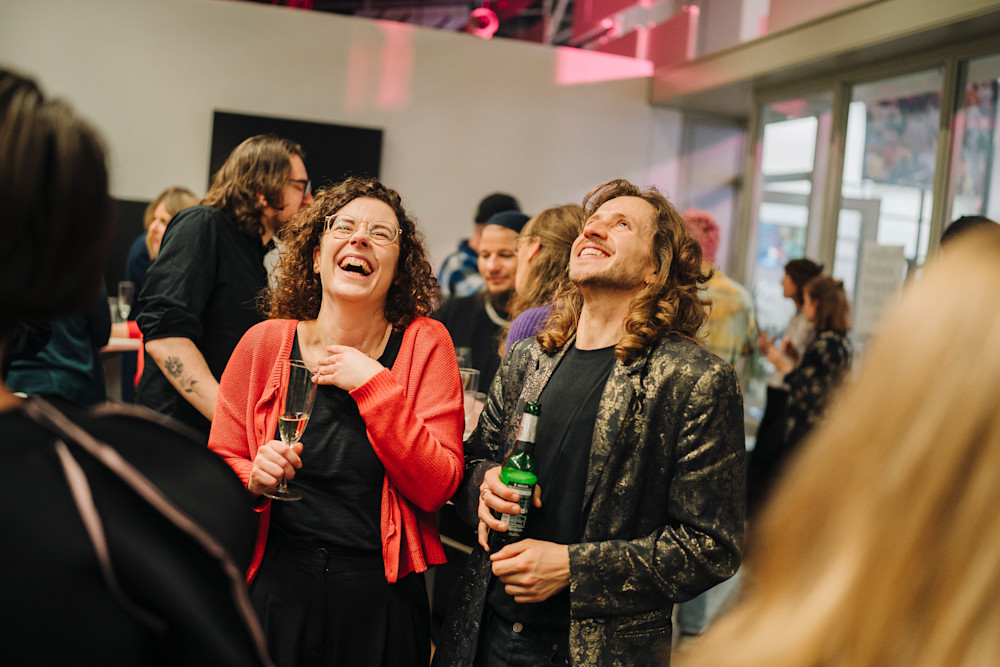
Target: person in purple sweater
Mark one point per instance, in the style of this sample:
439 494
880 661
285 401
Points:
542 258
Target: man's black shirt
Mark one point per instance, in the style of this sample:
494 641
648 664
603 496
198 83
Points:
203 286
565 430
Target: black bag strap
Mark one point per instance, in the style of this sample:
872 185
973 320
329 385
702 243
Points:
47 416
79 486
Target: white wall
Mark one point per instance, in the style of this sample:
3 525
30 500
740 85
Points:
462 117
711 177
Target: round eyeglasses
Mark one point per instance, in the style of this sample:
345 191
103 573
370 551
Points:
344 227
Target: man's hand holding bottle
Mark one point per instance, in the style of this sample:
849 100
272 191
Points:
495 496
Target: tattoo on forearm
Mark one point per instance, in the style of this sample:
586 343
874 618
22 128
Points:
175 369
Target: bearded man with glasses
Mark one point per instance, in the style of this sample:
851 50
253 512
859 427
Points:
200 295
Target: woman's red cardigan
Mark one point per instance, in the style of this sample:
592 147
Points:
414 418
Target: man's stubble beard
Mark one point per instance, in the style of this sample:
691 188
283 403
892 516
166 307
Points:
616 278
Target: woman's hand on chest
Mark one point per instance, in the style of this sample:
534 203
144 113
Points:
346 367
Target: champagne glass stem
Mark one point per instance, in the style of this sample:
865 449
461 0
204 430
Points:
283 484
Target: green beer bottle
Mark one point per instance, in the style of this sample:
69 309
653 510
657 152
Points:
519 473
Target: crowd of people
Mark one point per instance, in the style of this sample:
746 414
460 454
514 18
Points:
162 531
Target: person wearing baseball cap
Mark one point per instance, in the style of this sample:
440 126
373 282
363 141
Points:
477 321
459 275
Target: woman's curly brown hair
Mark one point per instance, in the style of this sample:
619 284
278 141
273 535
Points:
414 291
671 304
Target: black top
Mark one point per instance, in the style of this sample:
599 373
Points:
341 476
569 406
470 326
58 609
136 266
203 286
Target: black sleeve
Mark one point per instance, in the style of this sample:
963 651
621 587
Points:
25 341
487 447
181 280
136 265
99 318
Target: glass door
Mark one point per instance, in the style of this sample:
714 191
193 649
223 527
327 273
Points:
793 143
790 167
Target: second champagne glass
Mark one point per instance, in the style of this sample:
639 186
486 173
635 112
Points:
294 409
126 291
470 383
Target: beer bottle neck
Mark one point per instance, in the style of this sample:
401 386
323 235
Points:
524 447
526 431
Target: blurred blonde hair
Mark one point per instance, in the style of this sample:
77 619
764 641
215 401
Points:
555 229
174 199
882 543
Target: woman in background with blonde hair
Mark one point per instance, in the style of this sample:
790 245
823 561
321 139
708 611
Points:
542 264
882 543
146 247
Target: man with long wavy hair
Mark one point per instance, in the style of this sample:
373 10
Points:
200 294
640 457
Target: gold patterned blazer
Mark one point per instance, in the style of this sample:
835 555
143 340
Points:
663 503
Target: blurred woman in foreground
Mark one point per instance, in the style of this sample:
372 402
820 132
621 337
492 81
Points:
119 531
881 544
337 577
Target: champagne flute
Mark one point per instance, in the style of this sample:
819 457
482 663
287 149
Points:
126 290
295 406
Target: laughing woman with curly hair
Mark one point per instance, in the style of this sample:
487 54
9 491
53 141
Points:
337 577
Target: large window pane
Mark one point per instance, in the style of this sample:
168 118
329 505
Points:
792 133
794 138
889 158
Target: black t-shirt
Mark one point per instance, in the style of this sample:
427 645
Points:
341 476
203 286
563 437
